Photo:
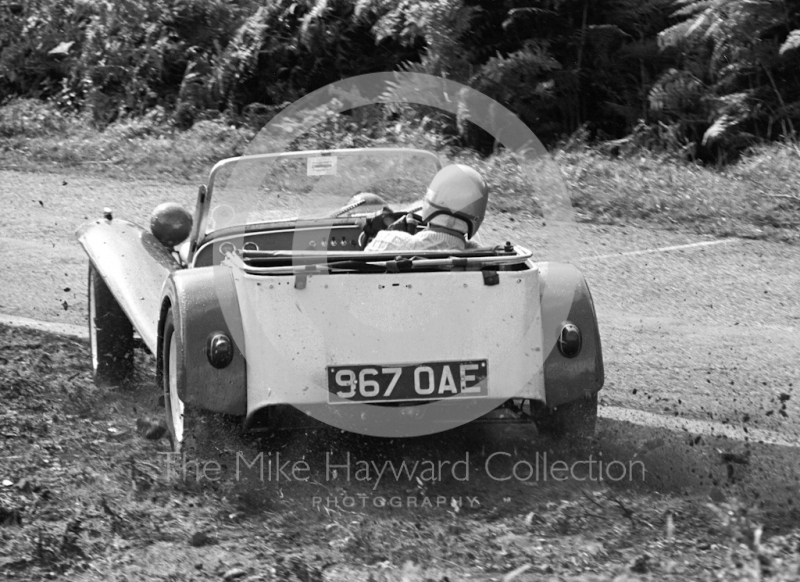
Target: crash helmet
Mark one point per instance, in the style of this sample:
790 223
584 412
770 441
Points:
456 199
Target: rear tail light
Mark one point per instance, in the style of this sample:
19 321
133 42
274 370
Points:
219 349
569 340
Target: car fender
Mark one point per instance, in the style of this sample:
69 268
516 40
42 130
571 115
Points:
564 291
197 297
134 266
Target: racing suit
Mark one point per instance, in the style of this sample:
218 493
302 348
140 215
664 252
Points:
427 240
441 235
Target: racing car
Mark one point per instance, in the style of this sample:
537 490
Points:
264 299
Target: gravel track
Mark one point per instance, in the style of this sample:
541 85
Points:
679 328
708 334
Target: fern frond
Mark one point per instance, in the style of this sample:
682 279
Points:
516 13
736 104
692 7
363 7
316 13
412 67
700 21
792 42
714 30
718 129
674 91
674 35
391 25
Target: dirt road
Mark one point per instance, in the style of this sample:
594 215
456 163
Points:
709 332
702 333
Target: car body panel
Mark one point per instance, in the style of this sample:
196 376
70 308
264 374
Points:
385 319
567 379
134 265
337 235
200 300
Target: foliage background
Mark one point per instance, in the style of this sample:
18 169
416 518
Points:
705 78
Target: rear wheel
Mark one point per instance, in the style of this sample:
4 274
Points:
573 421
179 414
110 334
192 430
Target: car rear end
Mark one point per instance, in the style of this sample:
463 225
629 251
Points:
332 343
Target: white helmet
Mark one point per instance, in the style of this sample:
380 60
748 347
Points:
456 199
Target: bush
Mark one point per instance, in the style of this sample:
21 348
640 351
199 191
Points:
32 118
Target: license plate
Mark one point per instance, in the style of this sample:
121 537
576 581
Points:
404 382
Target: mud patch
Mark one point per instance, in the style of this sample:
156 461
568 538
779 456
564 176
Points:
86 497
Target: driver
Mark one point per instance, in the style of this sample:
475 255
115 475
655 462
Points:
453 208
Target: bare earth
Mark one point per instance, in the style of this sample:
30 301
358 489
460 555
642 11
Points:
706 333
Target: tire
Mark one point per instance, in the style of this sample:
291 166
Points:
110 334
179 415
573 422
192 431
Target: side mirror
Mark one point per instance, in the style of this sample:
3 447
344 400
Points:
171 224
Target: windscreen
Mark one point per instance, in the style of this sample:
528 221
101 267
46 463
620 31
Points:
309 185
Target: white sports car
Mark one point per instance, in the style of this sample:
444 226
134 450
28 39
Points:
264 300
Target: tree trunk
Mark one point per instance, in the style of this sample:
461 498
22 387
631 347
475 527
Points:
579 104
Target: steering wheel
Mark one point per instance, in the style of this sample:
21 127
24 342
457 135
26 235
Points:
387 218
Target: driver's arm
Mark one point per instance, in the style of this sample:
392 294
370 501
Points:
390 240
381 221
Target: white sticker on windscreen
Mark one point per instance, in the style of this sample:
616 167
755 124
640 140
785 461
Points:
322 166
